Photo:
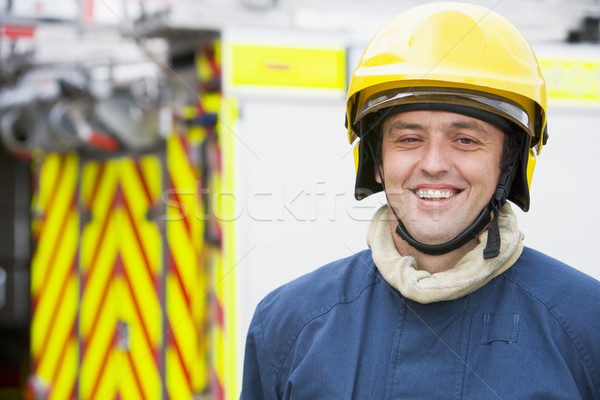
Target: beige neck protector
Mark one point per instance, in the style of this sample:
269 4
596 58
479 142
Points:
469 274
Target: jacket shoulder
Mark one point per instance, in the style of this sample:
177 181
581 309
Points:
555 283
569 295
284 312
312 294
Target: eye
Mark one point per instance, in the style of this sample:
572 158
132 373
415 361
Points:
466 141
409 140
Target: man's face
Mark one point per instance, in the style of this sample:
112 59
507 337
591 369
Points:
440 170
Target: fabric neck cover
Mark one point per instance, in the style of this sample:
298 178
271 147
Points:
469 274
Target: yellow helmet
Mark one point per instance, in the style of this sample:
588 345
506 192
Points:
450 54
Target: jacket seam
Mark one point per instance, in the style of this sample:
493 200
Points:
579 346
270 361
322 311
395 357
262 336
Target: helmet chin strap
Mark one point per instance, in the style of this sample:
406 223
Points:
492 248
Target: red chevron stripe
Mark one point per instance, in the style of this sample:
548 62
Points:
97 181
136 376
53 192
175 269
140 244
188 303
138 238
139 314
138 168
103 364
98 313
186 149
116 272
59 302
212 61
218 157
184 368
200 108
63 351
92 267
217 387
35 190
92 270
73 394
177 200
220 315
63 227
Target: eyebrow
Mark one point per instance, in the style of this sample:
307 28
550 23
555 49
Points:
405 125
473 125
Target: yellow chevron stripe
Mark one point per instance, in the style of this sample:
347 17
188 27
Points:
183 178
184 254
142 356
100 343
41 321
152 170
119 375
107 388
205 73
211 102
138 204
185 238
89 176
66 380
107 252
101 209
184 330
46 167
61 206
142 285
203 68
54 280
91 302
218 332
176 384
61 331
226 258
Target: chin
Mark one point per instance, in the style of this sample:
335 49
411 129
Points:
433 236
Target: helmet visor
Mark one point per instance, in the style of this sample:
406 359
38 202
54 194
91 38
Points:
493 104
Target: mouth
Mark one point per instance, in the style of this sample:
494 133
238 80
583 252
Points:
435 194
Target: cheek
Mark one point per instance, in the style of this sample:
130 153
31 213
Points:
396 168
482 176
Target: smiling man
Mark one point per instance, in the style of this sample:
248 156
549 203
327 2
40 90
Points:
448 107
441 169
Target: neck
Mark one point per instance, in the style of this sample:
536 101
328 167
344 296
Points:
427 262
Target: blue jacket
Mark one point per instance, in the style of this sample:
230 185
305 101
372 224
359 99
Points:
341 332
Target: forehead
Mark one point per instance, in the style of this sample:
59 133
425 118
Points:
428 119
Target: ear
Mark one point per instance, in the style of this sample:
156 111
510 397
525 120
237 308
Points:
377 172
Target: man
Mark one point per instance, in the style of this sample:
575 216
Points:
450 109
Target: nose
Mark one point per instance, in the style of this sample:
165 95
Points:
435 159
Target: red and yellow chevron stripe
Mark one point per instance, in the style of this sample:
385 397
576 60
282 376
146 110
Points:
54 277
121 268
132 296
186 348
218 151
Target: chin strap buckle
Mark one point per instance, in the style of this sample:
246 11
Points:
492 247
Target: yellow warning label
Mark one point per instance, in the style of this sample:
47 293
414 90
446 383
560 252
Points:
575 80
270 66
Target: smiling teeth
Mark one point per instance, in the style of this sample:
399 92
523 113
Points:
434 194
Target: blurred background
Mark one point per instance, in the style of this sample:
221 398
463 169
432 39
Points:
167 163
